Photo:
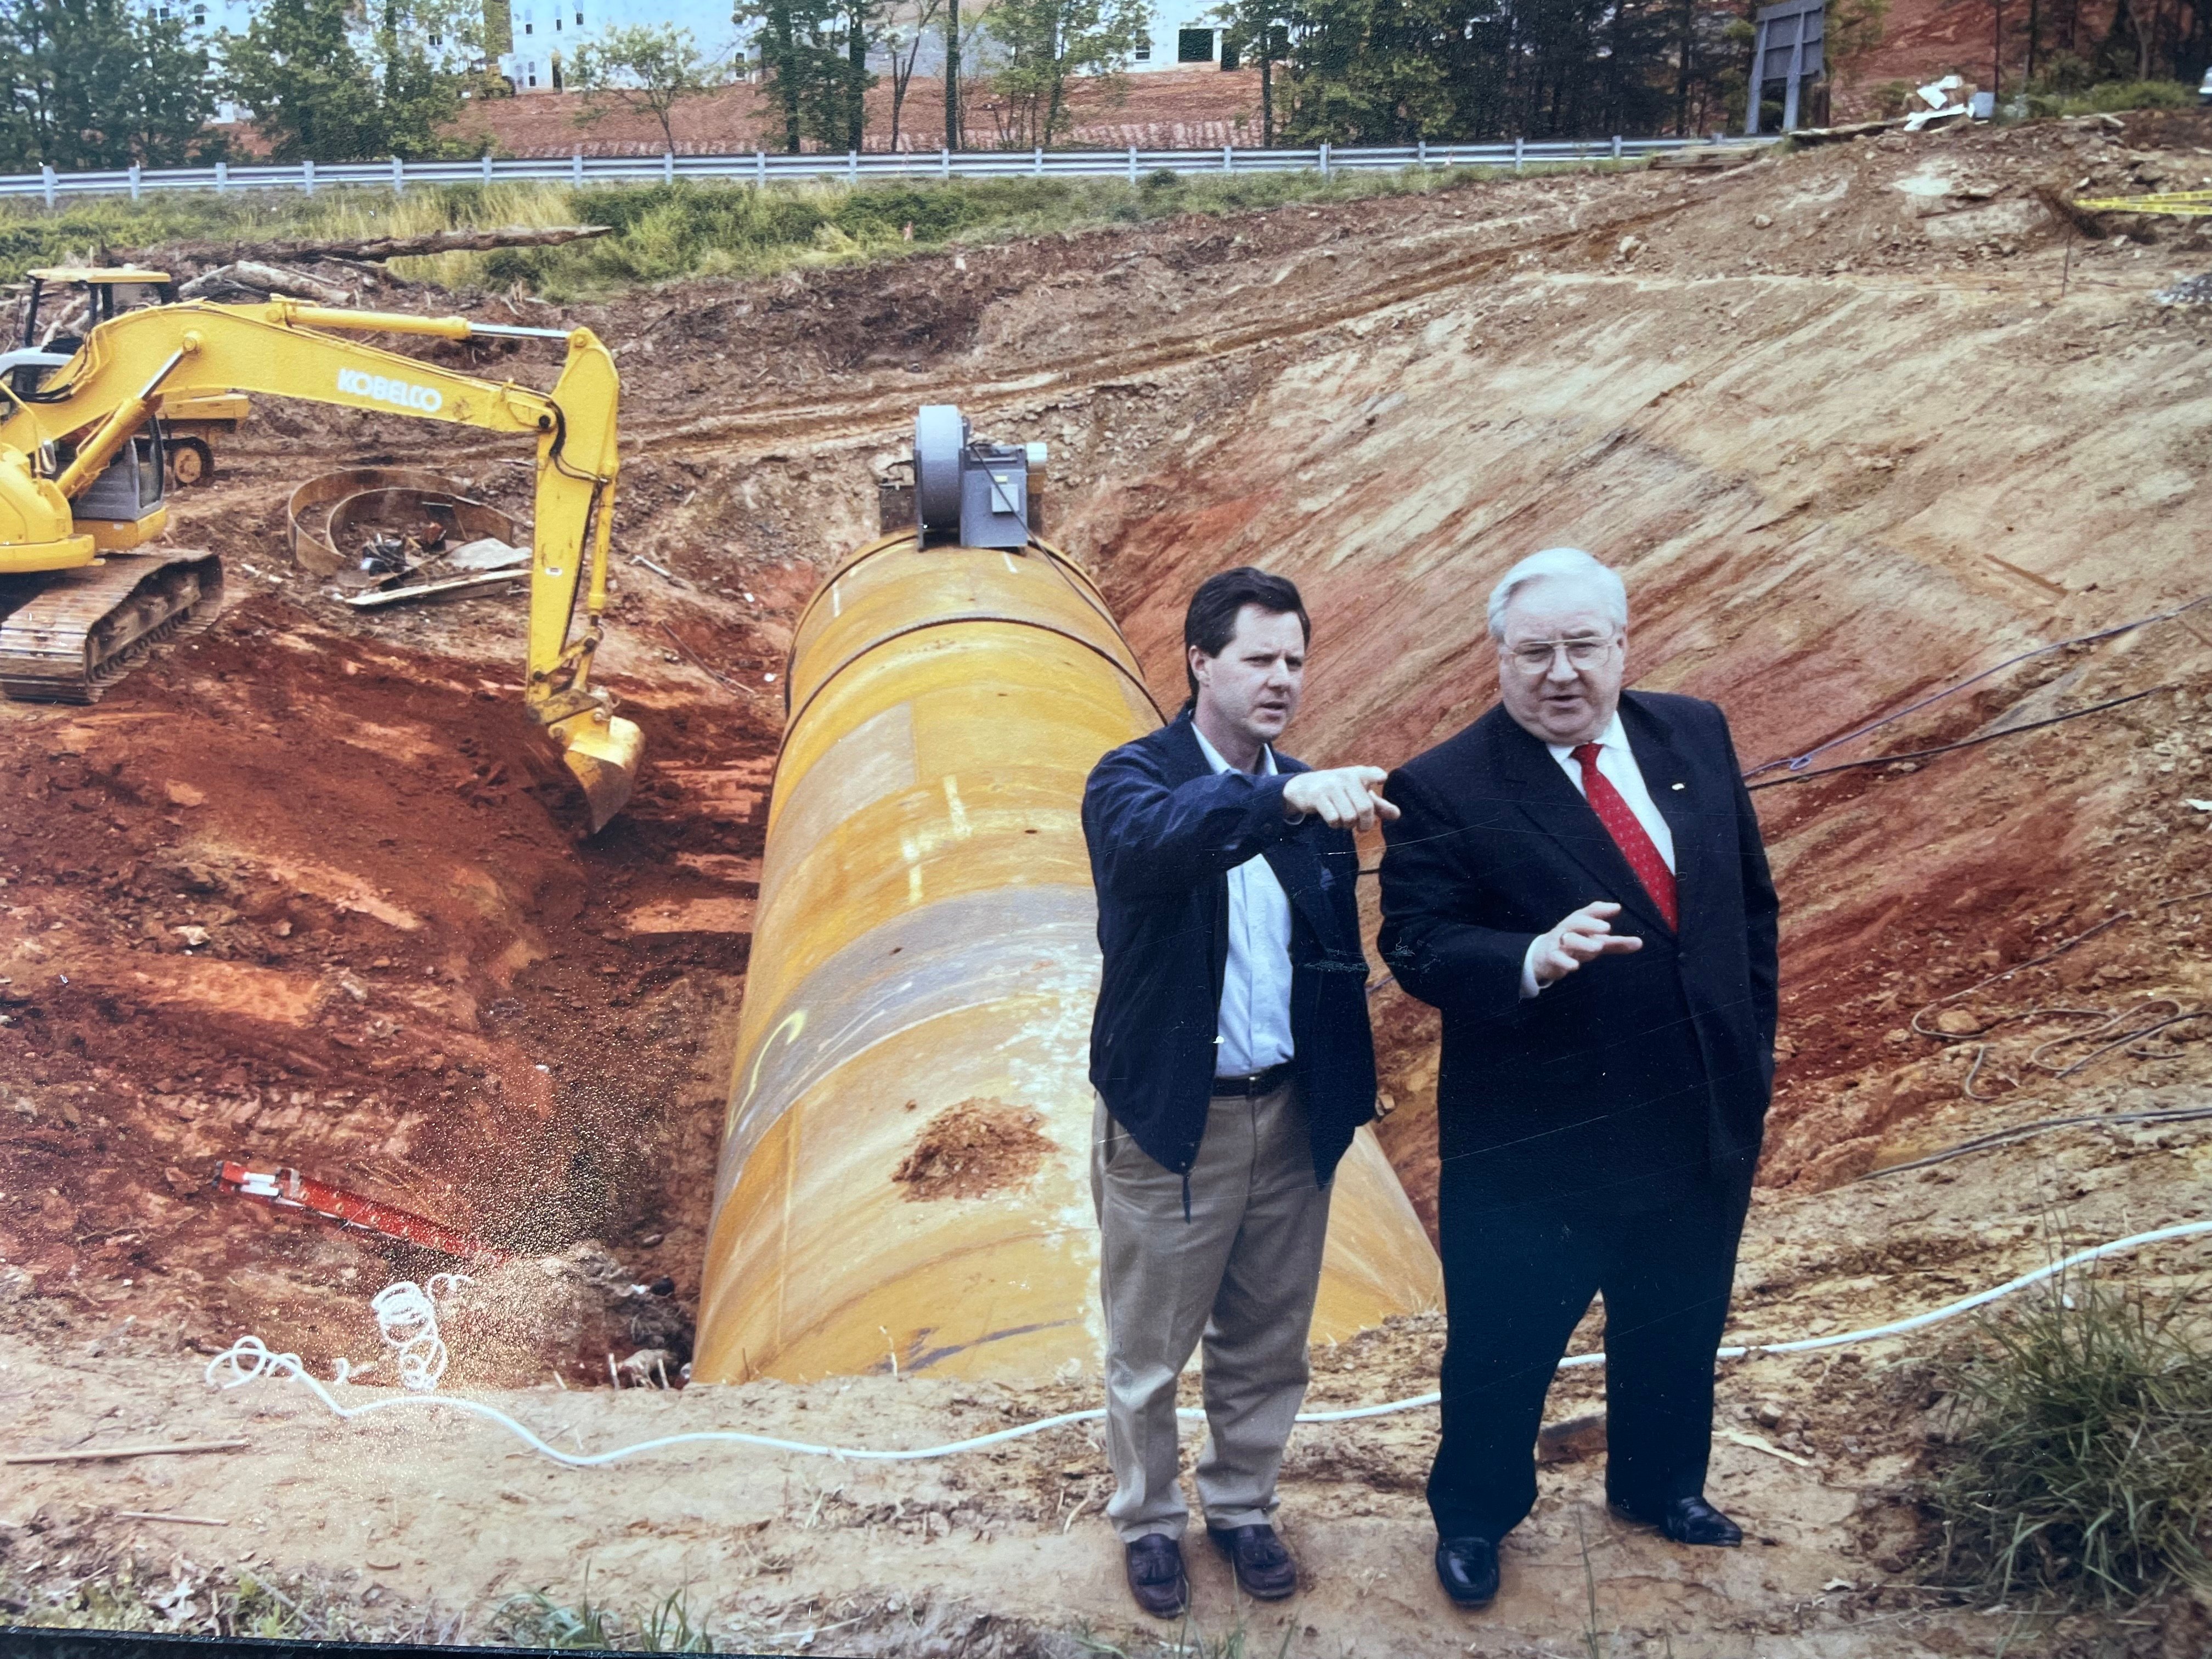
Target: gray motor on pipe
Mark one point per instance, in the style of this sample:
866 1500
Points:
970 490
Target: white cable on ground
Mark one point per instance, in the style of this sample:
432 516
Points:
408 1322
249 1361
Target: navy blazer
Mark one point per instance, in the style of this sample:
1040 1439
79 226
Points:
1164 830
1634 1077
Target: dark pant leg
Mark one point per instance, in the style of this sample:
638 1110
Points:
1665 1285
1515 1281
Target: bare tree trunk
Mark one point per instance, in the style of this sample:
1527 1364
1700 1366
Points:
1682 70
952 74
856 72
783 41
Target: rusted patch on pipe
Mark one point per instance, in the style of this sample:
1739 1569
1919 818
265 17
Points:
977 1147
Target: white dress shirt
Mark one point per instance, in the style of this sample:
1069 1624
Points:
1617 760
1253 1032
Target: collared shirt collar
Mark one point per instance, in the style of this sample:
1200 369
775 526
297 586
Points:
1614 736
1266 754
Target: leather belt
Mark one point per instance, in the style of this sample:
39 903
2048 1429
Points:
1253 1083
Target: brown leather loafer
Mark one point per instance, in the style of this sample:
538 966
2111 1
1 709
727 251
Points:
1264 1566
1156 1579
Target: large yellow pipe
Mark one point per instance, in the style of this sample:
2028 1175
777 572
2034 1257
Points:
904 1162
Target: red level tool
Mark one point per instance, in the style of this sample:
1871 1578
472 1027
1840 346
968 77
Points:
288 1189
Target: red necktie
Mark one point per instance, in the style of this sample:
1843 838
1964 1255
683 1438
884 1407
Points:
1628 833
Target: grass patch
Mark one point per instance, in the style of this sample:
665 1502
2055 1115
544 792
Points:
131 1594
691 228
2114 96
538 1621
2081 1472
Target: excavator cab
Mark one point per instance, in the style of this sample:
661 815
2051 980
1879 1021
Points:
57 292
69 301
124 507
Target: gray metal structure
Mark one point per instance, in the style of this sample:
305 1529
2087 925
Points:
967 488
1788 50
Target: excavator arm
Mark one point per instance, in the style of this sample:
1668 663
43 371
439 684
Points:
132 365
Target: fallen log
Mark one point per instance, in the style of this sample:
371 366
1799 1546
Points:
378 248
254 277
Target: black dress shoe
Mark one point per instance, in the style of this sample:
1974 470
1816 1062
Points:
1688 1521
1155 1566
1467 1569
1263 1566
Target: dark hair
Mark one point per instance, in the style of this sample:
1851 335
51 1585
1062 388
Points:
1211 622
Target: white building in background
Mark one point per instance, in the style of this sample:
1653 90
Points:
541 33
1182 34
529 41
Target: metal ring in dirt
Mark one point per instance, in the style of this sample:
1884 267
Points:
313 548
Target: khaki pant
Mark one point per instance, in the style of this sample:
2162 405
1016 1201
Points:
1241 1272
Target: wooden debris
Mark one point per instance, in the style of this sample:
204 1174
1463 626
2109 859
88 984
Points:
97 1454
256 278
452 587
376 249
1759 1443
181 1520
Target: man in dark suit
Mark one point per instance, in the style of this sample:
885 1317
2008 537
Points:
1232 1060
1578 882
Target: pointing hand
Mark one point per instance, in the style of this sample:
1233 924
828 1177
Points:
1345 798
1582 937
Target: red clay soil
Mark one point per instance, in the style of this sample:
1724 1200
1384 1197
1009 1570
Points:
1165 109
1587 359
322 903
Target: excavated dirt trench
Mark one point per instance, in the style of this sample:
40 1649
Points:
1855 423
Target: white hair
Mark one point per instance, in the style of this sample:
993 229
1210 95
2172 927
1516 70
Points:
1569 562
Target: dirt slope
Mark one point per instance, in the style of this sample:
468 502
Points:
1855 423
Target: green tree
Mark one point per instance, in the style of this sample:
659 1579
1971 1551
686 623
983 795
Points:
1258 31
814 62
1855 28
1392 72
100 84
1377 72
333 81
647 68
1043 42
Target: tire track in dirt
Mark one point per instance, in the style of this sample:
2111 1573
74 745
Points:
871 415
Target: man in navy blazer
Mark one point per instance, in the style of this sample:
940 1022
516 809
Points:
1232 1062
1578 883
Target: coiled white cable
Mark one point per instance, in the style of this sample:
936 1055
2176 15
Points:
249 1361
407 1320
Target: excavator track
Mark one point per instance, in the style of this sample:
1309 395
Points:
67 636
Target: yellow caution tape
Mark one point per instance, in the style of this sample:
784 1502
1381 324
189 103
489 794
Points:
2184 203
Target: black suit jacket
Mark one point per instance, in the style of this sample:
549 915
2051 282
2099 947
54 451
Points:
1630 1079
1164 830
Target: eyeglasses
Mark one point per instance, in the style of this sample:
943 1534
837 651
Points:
1536 657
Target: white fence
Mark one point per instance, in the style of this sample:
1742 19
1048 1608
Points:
760 166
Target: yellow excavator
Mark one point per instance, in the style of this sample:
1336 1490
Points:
65 300
82 475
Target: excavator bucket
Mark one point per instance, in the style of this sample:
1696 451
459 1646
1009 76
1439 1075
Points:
604 751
